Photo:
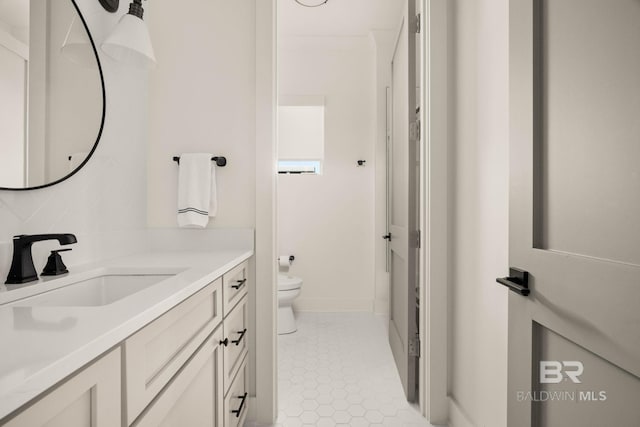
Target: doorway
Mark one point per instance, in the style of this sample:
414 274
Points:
332 187
433 206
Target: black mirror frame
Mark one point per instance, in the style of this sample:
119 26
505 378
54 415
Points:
102 119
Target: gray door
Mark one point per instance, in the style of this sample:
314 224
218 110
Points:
574 341
403 212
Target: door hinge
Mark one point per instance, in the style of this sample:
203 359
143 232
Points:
414 130
418 239
417 25
414 347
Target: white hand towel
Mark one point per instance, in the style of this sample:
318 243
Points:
213 200
195 179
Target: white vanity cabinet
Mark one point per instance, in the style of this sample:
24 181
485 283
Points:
174 379
90 397
188 367
235 329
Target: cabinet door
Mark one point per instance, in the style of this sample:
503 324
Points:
158 351
235 330
236 399
89 398
194 397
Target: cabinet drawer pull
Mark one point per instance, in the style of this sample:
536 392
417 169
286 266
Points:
238 411
237 342
225 342
239 284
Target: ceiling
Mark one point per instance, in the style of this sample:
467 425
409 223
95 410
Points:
338 17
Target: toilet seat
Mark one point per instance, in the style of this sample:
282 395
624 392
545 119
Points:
288 283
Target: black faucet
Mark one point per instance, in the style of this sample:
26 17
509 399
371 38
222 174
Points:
22 268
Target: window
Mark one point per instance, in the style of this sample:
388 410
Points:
301 135
299 166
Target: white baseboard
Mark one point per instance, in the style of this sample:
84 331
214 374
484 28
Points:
333 304
457 417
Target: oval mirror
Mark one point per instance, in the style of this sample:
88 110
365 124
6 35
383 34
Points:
51 93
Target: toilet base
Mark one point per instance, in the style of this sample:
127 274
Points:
286 320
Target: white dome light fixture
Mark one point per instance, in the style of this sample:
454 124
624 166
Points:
309 3
129 42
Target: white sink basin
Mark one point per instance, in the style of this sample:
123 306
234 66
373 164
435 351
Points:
97 291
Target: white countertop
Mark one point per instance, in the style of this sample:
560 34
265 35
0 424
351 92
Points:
43 345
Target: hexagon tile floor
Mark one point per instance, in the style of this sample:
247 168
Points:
338 370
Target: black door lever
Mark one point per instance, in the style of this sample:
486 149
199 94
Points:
387 236
518 281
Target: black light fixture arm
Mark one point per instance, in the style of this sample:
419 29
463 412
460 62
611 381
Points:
135 8
110 5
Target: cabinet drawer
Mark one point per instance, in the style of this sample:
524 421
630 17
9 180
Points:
235 331
155 353
194 396
235 284
235 404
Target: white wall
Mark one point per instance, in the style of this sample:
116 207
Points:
479 203
202 99
327 221
103 204
265 407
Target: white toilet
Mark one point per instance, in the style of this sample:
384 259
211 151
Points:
288 290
